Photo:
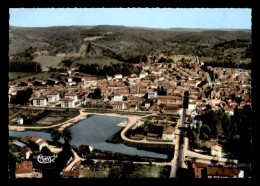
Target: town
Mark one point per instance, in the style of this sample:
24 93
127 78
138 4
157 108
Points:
167 103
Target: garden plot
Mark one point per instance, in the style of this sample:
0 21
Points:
49 120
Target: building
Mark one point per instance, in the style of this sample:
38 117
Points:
52 81
25 83
73 96
39 102
168 133
71 174
24 169
117 97
53 97
152 94
67 103
118 76
26 153
38 143
224 172
39 82
216 150
119 105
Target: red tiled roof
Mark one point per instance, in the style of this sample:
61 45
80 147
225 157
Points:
71 173
24 167
168 130
25 139
223 171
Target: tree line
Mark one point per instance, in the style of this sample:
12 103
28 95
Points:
24 66
124 69
228 130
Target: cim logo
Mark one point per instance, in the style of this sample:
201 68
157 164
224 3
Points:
45 159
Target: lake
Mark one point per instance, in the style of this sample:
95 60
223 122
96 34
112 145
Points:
94 131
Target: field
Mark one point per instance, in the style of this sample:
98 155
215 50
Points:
150 171
17 75
102 62
42 75
47 61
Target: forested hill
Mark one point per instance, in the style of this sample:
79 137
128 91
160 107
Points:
122 42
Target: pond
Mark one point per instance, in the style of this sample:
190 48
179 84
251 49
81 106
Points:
94 131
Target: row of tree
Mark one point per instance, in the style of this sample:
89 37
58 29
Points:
24 66
229 130
124 69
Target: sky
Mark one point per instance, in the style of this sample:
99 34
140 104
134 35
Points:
211 18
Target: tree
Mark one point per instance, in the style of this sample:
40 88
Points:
55 135
66 134
214 162
96 94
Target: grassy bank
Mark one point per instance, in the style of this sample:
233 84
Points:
158 148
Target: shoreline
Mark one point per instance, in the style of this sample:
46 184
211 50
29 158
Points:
129 119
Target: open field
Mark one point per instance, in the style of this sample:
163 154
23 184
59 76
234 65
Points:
47 61
92 38
150 171
42 76
102 62
17 75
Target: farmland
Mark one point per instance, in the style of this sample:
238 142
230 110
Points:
102 62
47 61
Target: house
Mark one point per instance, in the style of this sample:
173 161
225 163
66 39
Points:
67 103
52 81
216 150
152 94
78 78
117 97
172 109
26 153
119 105
73 96
192 105
152 136
147 104
38 143
168 133
198 169
53 97
69 79
20 121
39 102
25 83
143 74
19 144
155 109
118 76
38 82
133 107
229 110
224 172
71 174
85 149
24 169
25 139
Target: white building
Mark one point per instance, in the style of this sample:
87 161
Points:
143 74
216 151
53 97
118 76
20 121
168 133
72 96
39 102
117 97
152 94
67 103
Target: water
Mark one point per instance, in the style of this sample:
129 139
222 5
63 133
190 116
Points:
95 131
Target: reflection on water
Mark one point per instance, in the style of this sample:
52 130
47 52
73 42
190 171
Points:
94 131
